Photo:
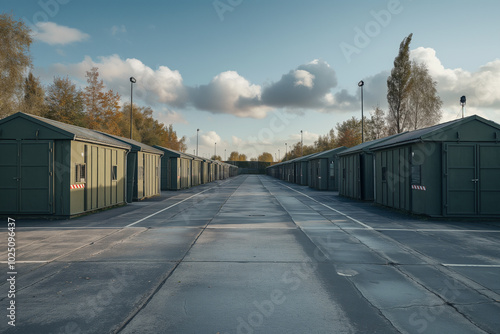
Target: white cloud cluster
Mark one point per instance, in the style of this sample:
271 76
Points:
162 85
54 34
229 93
308 87
480 87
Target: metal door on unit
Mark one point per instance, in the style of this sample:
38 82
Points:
472 179
26 171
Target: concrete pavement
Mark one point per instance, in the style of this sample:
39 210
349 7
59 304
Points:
254 255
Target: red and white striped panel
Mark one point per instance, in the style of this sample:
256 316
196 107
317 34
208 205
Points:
418 187
77 186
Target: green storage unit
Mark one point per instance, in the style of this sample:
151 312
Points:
324 168
448 170
175 169
49 168
356 170
143 169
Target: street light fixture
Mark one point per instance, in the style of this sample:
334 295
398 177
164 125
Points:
197 132
215 151
462 102
286 150
301 144
132 82
361 84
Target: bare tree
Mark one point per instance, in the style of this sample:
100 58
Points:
424 104
375 127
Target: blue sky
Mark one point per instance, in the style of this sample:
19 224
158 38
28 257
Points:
252 74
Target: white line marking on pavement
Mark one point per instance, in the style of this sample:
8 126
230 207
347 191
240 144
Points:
435 230
171 206
471 265
329 207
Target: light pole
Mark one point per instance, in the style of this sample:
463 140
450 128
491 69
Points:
197 132
301 144
132 82
215 151
462 102
286 150
361 84
279 155
224 154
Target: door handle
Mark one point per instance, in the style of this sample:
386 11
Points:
475 180
16 178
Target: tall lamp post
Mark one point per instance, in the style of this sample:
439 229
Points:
361 84
301 144
279 155
286 150
197 132
132 82
215 151
462 102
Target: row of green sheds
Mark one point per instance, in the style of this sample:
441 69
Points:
447 170
53 169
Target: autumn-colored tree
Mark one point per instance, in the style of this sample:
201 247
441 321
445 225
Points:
297 151
266 157
326 142
149 131
15 40
216 157
34 96
102 107
64 102
349 132
375 127
235 156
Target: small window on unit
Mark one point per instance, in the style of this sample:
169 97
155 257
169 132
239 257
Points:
80 173
416 175
114 173
384 173
332 169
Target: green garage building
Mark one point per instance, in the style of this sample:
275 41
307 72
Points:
356 169
323 168
49 168
143 170
450 169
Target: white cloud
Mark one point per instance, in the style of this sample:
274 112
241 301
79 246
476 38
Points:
162 85
309 86
168 116
53 34
210 138
480 87
229 93
115 30
303 78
